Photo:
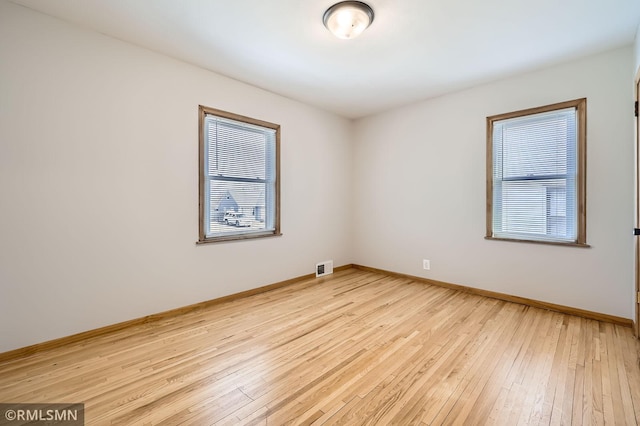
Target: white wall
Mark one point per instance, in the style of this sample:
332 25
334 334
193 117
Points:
636 46
420 190
99 183
636 73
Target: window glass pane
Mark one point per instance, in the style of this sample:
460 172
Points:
523 207
236 151
537 208
247 202
537 146
557 213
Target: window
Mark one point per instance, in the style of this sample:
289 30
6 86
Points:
536 174
239 177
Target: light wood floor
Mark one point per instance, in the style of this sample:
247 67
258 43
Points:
355 348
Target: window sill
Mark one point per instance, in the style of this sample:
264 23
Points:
231 238
552 243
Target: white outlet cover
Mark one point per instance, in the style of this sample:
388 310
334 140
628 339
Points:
426 264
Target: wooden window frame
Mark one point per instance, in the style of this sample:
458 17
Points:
580 106
203 111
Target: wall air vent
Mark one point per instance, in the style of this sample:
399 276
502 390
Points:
324 268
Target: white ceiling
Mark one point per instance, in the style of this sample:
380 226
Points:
415 49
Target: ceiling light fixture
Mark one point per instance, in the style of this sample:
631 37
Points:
348 19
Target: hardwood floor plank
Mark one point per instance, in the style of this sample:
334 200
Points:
598 396
537 369
516 373
630 349
357 347
457 410
627 416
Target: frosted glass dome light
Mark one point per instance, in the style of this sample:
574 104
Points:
348 19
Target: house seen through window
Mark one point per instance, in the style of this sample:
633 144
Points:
239 185
536 161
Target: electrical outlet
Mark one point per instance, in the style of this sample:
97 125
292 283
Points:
426 264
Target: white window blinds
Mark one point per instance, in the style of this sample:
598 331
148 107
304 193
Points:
535 177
